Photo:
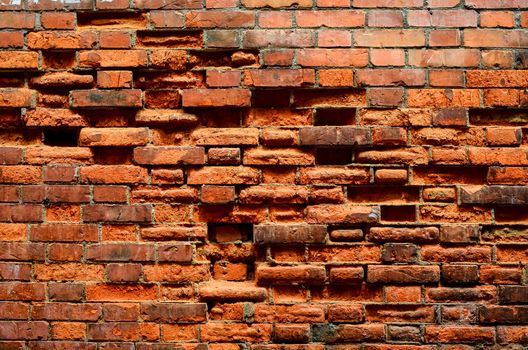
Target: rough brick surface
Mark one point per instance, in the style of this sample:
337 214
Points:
264 174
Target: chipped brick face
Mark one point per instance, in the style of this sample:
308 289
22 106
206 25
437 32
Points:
263 174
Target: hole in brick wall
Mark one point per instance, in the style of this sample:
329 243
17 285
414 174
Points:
61 137
58 59
511 215
375 194
9 117
497 116
100 20
180 38
230 233
112 155
12 80
333 156
250 272
224 58
210 305
223 118
398 213
162 99
335 116
271 98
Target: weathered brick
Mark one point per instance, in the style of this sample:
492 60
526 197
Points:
119 137
307 274
223 175
216 98
118 213
500 195
105 98
403 274
169 155
283 234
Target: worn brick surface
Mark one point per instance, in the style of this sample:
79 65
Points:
264 174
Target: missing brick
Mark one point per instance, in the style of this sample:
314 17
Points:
398 213
335 116
230 233
61 137
333 156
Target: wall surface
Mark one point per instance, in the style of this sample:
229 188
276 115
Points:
264 174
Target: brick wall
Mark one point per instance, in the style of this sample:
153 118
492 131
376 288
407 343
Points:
263 174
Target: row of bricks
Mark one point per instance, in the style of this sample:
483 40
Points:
190 314
509 120
265 194
267 19
242 291
254 334
177 59
374 97
344 214
194 4
284 78
232 175
265 234
283 157
319 136
333 254
60 253
271 38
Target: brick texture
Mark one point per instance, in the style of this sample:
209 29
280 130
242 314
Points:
264 174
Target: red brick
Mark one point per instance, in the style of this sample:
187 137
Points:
102 174
11 40
47 40
494 38
105 98
278 38
385 19
220 19
444 37
223 78
57 20
278 57
169 155
462 334
216 97
389 38
271 19
117 213
18 60
325 18
114 79
403 274
17 20
332 57
167 19
113 58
